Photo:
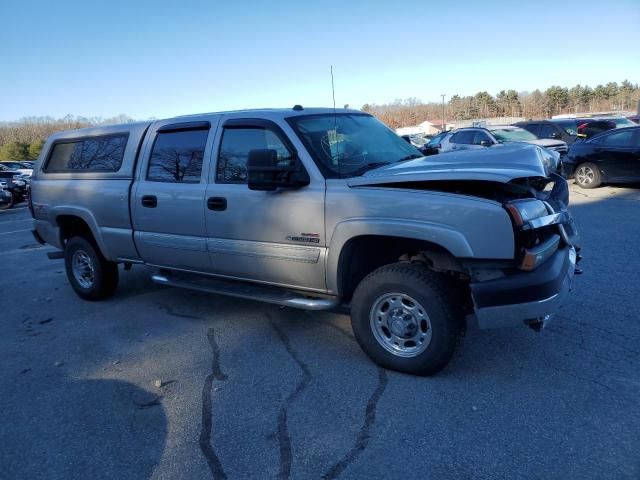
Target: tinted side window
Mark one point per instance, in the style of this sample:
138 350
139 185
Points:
532 127
235 147
437 139
177 156
546 131
104 153
481 136
463 137
618 139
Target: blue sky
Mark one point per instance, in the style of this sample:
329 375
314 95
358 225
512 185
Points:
163 58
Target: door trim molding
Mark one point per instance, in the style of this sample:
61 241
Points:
277 251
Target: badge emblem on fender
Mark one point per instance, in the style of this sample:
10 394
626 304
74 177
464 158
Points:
305 238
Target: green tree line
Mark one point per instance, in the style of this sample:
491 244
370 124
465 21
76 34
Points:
23 139
509 103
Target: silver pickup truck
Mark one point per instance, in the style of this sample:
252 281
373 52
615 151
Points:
315 209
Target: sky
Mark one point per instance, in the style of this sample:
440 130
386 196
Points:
165 58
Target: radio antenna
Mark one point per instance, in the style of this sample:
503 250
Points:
333 92
335 124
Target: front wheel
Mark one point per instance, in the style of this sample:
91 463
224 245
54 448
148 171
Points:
405 319
587 175
91 275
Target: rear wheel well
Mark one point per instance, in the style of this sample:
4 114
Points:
72 226
364 254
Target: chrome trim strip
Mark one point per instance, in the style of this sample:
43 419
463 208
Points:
545 221
278 251
180 242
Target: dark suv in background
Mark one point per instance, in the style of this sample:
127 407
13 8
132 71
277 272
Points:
569 130
565 130
611 157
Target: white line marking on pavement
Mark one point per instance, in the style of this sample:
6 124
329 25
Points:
15 231
13 210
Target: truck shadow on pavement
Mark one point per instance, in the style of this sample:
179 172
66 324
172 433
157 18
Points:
111 429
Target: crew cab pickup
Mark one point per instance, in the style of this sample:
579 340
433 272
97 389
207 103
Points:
315 209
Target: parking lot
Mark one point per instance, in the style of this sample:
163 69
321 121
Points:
167 383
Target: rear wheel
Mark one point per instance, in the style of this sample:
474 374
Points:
405 319
587 175
91 275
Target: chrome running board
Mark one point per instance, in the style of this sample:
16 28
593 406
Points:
249 291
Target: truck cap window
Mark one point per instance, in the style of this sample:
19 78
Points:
103 153
236 144
177 156
349 144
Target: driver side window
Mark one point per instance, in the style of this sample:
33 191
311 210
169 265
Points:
234 151
481 137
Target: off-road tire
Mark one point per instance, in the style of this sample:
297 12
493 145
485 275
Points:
105 273
434 292
593 181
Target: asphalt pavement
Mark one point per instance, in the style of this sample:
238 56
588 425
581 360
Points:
165 383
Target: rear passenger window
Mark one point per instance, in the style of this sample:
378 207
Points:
102 154
532 127
546 131
235 147
618 139
465 137
177 156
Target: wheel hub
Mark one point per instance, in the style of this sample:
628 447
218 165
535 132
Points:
400 324
83 269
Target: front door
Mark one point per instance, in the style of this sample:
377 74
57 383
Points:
276 237
169 198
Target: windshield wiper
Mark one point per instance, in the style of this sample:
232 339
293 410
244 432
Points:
367 167
412 156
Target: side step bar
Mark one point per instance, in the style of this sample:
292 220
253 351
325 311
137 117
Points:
262 293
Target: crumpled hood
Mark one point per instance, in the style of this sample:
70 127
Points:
496 164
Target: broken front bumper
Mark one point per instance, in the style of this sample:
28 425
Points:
525 297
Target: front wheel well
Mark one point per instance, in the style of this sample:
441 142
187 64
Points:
363 254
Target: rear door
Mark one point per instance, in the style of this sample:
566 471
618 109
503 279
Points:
274 237
168 199
617 154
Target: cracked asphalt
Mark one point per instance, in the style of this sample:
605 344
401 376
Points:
249 390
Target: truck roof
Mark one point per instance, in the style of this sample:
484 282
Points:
266 113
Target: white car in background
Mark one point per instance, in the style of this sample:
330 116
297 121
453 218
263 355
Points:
19 167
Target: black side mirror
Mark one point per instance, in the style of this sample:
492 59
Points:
554 135
485 143
266 173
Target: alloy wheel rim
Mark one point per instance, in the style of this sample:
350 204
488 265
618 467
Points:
585 175
83 268
400 324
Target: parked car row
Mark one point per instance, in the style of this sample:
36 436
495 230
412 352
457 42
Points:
5 196
16 182
571 130
591 150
